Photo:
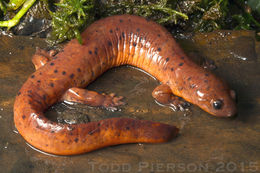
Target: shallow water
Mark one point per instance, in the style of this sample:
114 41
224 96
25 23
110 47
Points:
205 143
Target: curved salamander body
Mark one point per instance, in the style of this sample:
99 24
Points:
107 43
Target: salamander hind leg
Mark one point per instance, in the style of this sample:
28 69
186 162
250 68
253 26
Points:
163 95
41 57
92 98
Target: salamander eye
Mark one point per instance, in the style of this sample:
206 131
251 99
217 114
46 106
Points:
217 104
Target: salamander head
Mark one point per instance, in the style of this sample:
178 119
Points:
215 97
207 91
221 104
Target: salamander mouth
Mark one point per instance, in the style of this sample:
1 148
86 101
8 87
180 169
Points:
228 110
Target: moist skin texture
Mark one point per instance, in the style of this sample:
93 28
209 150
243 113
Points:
108 43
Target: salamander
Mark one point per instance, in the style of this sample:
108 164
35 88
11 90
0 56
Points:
107 43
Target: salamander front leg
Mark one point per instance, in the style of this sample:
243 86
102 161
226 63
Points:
41 57
163 95
92 98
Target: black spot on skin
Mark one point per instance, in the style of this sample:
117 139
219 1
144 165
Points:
98 124
92 73
120 20
148 20
64 72
72 76
123 34
44 97
32 76
46 145
134 44
189 79
40 73
181 64
111 31
138 29
167 59
182 57
29 95
29 91
159 49
37 101
120 38
79 70
206 81
117 29
159 35
206 74
76 140
52 64
19 93
52 85
172 69
39 81
83 82
96 49
109 43
52 131
70 133
23 116
90 52
56 71
127 128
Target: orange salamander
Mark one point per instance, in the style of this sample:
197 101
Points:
107 43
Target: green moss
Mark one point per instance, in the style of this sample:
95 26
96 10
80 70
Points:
70 17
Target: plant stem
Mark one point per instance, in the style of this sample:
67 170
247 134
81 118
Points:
15 20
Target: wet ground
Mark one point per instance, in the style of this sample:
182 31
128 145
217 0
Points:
205 143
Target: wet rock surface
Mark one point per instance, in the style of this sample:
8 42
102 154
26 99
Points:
205 143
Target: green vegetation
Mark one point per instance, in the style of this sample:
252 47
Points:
70 17
13 5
